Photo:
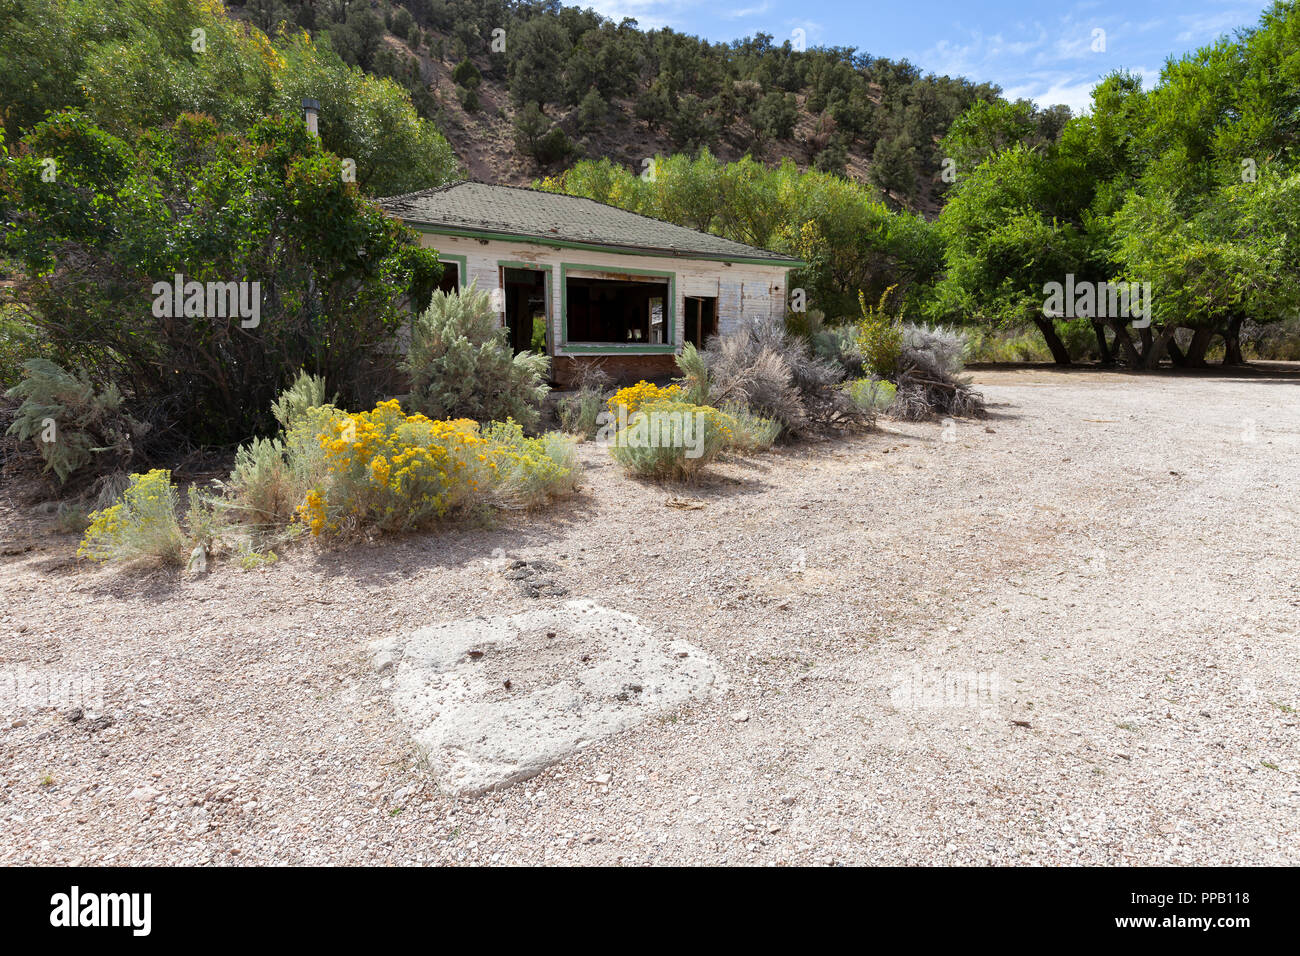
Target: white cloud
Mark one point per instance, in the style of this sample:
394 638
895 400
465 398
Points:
649 14
747 12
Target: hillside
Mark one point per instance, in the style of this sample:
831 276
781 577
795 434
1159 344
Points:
521 89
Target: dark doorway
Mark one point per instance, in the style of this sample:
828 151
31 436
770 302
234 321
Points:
701 319
526 308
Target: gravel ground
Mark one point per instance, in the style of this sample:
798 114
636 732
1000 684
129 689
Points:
1105 572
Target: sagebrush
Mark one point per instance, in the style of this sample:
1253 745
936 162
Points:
462 366
71 423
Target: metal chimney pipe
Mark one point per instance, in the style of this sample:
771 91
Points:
310 113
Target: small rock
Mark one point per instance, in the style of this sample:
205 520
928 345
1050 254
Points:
740 716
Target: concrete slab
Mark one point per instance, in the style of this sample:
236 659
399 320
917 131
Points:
492 701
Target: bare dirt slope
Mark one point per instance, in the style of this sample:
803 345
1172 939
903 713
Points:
1111 559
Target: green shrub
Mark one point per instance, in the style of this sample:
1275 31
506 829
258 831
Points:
1008 345
461 365
19 341
750 432
327 270
579 410
806 324
527 472
672 440
839 344
71 422
272 476
297 401
261 486
250 559
871 394
142 525
879 336
696 382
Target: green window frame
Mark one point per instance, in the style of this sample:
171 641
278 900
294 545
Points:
614 348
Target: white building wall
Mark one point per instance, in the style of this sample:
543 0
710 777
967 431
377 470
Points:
743 291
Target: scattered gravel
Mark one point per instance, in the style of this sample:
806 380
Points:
1064 634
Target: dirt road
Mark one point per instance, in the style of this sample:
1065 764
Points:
1066 634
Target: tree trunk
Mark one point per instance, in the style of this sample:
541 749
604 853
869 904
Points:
1197 347
1060 354
1176 354
1156 346
1145 336
1125 344
1232 342
1102 348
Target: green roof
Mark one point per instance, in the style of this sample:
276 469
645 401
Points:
517 212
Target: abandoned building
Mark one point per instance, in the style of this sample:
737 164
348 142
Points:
586 282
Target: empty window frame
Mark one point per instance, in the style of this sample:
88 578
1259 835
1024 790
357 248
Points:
624 310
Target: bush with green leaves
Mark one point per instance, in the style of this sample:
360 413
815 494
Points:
72 424
528 472
879 336
272 476
696 382
20 340
461 365
839 344
750 432
579 410
269 207
668 440
124 64
872 395
142 525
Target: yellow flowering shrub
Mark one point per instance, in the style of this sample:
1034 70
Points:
526 472
142 524
399 472
395 471
634 396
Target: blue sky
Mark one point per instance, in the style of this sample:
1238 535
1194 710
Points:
1040 51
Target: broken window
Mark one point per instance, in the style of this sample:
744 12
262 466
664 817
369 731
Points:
449 281
618 311
701 319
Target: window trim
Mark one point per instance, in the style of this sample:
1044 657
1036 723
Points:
614 348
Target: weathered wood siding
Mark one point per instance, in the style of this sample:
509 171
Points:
743 290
